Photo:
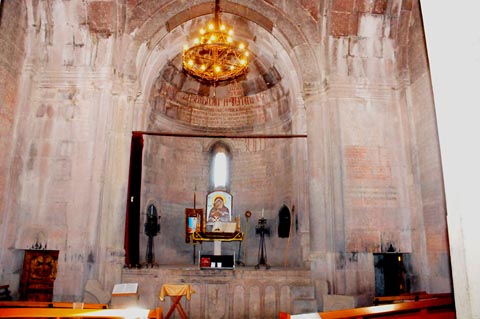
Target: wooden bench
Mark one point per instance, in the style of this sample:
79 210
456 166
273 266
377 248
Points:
437 308
5 292
408 297
48 304
79 313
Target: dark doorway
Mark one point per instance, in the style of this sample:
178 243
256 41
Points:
391 274
132 220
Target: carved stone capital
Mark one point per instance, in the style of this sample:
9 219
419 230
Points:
311 91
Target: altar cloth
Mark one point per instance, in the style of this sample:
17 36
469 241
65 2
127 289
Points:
176 290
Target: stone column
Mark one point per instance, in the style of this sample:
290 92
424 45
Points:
300 176
112 220
320 192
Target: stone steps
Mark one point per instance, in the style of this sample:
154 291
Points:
303 299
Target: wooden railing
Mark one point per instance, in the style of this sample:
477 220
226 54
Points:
39 309
437 308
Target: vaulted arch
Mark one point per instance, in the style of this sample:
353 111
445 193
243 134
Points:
283 52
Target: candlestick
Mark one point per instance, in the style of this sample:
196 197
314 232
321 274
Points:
194 199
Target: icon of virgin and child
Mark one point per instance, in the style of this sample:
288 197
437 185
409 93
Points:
219 211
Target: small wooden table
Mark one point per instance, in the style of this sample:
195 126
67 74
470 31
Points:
176 292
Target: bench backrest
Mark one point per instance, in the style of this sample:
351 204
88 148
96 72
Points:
414 309
48 304
408 297
79 313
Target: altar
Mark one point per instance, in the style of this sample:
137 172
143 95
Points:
217 227
225 287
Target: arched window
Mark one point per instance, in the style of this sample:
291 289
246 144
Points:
220 167
220 170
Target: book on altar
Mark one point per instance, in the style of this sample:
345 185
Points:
223 227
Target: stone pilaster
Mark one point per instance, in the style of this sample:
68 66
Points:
320 191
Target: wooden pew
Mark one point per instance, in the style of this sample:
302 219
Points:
438 308
79 313
408 297
48 304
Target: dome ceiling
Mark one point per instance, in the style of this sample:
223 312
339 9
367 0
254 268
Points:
259 99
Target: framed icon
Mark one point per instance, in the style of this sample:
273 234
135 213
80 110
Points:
219 207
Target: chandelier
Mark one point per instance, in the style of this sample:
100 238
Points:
214 55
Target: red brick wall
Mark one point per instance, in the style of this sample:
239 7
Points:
373 181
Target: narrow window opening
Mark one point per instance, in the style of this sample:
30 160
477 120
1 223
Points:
220 170
220 159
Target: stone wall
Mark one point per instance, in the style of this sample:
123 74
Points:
176 169
425 156
239 293
13 23
355 111
356 68
64 114
375 50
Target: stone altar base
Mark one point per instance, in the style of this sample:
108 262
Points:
240 293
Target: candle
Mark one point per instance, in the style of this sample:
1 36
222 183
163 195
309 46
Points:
262 212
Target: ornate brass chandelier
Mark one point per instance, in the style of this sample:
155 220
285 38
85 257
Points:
214 55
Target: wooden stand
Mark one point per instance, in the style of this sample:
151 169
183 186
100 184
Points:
176 292
176 305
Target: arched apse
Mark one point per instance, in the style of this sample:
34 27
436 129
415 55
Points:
281 45
284 61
